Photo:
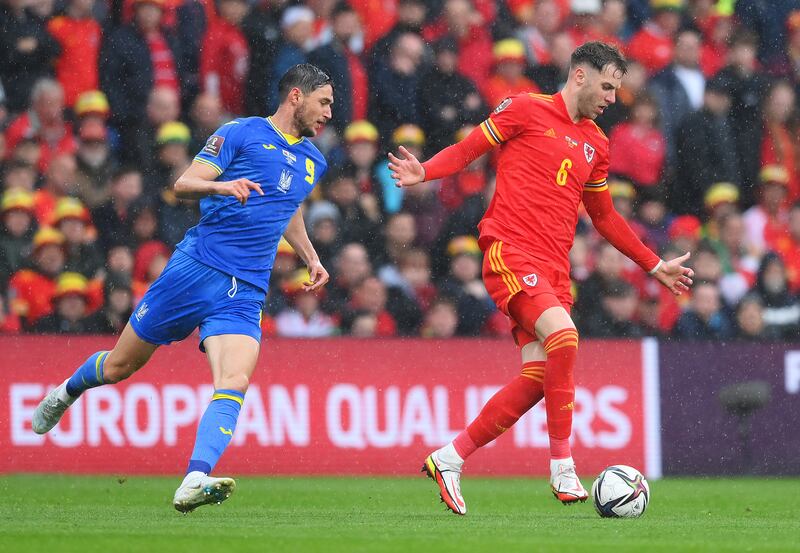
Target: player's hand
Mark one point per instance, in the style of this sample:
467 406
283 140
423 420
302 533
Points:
674 275
239 189
318 277
406 171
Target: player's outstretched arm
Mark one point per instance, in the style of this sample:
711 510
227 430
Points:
198 181
614 228
408 171
297 237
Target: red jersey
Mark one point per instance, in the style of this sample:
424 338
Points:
545 164
76 67
223 64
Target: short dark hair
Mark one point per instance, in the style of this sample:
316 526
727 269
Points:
304 76
598 55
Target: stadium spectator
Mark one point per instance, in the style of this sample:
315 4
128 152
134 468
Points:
768 21
508 75
778 144
781 307
615 318
679 88
705 319
399 235
163 106
95 165
415 282
135 59
709 135
749 321
392 198
654 43
70 307
111 218
637 148
720 200
748 85
322 223
613 21
32 289
766 222
788 63
16 233
59 181
360 217
584 24
411 15
78 36
461 21
171 157
44 124
539 24
345 68
71 218
303 318
205 117
296 34
149 261
789 249
608 269
739 262
449 100
441 320
361 141
117 306
551 76
262 30
717 30
27 52
351 267
368 303
225 54
465 287
395 85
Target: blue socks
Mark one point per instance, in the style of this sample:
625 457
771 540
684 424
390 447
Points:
215 430
88 375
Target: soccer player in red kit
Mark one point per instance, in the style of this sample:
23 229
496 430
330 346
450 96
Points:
552 156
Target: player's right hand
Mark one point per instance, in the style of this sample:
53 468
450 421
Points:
239 189
406 171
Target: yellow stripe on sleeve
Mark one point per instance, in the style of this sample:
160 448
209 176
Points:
209 163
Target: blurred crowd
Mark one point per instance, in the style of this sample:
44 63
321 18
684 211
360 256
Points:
103 103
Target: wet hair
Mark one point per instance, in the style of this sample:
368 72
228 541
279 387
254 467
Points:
304 76
598 55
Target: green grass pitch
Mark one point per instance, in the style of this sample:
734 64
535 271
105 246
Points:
49 513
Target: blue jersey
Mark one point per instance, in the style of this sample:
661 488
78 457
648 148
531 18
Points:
242 240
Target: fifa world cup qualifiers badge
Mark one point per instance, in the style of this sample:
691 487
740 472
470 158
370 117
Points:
213 144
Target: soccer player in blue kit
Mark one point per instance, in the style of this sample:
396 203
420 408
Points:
251 177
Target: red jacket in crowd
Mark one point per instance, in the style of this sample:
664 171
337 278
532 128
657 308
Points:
76 68
224 64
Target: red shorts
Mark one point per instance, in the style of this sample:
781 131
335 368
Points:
508 271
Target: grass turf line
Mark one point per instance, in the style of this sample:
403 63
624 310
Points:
111 515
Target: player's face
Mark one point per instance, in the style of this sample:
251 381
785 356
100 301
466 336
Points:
314 111
598 90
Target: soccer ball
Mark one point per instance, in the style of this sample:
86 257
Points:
620 492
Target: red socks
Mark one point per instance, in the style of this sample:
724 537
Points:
503 409
552 379
561 348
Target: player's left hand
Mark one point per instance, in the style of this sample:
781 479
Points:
318 277
674 275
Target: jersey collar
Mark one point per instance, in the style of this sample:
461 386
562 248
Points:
291 140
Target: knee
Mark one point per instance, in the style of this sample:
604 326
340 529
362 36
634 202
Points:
238 382
565 338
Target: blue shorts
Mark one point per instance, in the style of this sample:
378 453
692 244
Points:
189 294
